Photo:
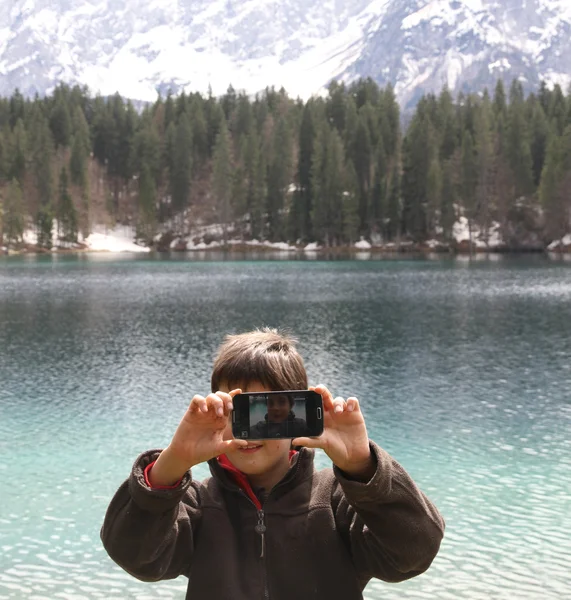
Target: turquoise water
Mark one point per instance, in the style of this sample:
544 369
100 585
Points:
463 370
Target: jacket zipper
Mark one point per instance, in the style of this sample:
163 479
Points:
261 529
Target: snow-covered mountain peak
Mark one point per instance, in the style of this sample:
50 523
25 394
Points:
137 47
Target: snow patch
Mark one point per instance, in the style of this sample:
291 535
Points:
564 242
501 65
312 247
461 234
119 239
363 244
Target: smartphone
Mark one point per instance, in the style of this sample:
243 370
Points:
277 415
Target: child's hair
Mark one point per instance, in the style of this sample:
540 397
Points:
265 356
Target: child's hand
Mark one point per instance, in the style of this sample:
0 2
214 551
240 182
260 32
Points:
198 438
344 437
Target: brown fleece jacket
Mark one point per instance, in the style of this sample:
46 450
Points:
319 535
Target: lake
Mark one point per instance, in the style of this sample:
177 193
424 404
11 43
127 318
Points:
462 367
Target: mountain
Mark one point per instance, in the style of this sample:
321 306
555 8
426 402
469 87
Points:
139 47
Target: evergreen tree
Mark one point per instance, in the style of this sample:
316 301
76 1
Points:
557 112
418 151
199 133
146 224
329 184
60 122
351 205
181 161
304 193
222 178
258 216
469 180
517 144
362 153
539 130
484 147
336 109
449 129
279 179
377 208
66 214
394 206
42 165
19 151
550 189
433 194
13 214
449 200
17 108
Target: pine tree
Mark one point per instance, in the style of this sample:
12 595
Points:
336 109
13 219
42 165
449 200
351 205
66 214
329 184
19 151
557 112
362 153
304 191
550 189
469 180
279 179
539 130
433 195
199 133
181 170
377 208
517 144
418 150
222 177
60 122
449 130
484 147
146 224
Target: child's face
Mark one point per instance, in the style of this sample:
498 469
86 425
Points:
278 409
261 457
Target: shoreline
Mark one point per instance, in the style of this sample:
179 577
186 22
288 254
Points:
246 248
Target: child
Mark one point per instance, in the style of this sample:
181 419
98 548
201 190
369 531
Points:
267 525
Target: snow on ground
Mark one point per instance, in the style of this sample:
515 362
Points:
461 233
118 239
563 242
312 247
363 244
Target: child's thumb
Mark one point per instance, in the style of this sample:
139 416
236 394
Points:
307 442
227 445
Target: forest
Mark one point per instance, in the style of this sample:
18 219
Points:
333 169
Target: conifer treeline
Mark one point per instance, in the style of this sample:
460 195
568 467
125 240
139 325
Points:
329 170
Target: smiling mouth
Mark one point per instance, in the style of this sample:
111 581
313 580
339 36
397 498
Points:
251 448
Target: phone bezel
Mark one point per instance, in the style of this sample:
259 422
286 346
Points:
241 413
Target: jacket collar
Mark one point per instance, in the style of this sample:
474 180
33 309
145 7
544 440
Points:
301 467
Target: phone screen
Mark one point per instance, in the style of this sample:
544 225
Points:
275 415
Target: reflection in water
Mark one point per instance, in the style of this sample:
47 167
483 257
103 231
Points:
462 368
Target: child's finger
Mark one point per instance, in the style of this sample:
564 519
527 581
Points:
216 404
232 444
227 400
338 405
353 405
325 395
198 404
307 442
